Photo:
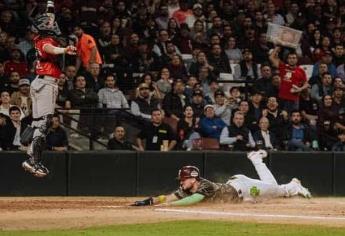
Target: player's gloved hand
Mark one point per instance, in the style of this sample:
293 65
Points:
71 50
145 202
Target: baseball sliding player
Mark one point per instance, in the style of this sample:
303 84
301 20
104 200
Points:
238 188
44 88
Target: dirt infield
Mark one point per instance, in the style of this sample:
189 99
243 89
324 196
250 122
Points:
81 212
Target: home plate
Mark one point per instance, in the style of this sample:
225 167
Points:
258 215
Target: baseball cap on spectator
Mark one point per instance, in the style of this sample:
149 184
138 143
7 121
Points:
198 92
197 5
208 106
24 82
219 92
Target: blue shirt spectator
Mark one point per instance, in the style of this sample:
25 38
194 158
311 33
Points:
210 125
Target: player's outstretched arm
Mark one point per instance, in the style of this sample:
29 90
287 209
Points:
50 49
156 200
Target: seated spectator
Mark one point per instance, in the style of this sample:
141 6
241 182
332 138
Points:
14 128
183 13
277 118
191 84
340 145
264 138
237 136
326 58
249 118
218 60
327 117
93 79
338 98
82 96
71 73
198 102
297 134
341 71
119 141
323 68
144 60
111 96
339 54
160 47
319 90
6 104
209 88
174 102
177 68
63 93
148 79
309 107
201 61
22 98
247 69
144 104
233 53
223 107
16 63
210 125
57 139
256 105
164 81
156 134
13 82
187 129
264 83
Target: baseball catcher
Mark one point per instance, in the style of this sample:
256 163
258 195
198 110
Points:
238 188
44 88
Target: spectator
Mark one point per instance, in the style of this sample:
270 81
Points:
338 98
277 118
201 61
82 97
264 138
144 60
273 16
22 98
218 60
16 63
177 68
93 78
223 107
111 96
197 14
309 108
233 53
113 53
63 93
71 73
297 134
164 82
148 79
163 17
247 69
14 80
256 105
191 84
174 102
326 59
183 13
198 102
144 104
339 55
119 141
86 48
340 145
6 104
322 89
249 118
14 128
237 136
57 139
160 47
187 129
323 68
156 134
327 117
264 83
210 125
293 80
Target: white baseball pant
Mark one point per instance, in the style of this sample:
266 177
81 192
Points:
267 184
43 92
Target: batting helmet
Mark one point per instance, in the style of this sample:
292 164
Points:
188 172
45 25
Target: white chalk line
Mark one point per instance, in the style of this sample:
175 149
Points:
220 213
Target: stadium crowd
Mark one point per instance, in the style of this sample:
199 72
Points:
164 62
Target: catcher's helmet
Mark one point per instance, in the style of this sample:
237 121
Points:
188 172
45 25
